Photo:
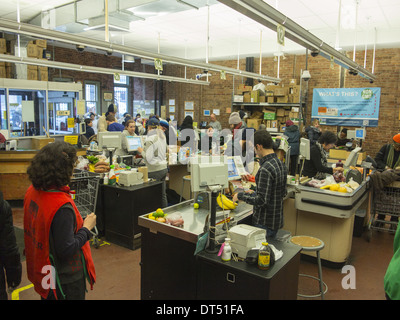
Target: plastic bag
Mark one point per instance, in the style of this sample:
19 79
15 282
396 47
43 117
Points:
175 219
83 163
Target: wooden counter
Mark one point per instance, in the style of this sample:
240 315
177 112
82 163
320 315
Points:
14 180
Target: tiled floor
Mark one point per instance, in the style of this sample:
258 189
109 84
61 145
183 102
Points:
118 271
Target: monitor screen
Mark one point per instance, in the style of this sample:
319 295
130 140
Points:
133 143
233 173
109 139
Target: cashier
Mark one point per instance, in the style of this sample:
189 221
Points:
130 130
388 156
317 167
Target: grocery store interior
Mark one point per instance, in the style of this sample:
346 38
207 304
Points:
207 78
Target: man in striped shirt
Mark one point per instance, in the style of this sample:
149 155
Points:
270 187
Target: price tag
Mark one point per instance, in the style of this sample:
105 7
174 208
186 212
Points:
71 139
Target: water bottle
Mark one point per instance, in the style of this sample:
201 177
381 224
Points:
264 257
227 252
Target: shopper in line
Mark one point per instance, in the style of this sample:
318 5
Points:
388 156
113 125
270 187
313 131
58 255
187 135
154 154
89 128
293 134
10 260
102 123
317 167
214 123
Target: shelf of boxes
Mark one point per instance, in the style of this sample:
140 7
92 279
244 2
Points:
271 107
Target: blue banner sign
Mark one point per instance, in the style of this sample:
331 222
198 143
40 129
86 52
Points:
353 107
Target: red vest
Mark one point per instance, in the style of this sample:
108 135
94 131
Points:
39 210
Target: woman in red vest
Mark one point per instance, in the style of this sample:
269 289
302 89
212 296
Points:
58 256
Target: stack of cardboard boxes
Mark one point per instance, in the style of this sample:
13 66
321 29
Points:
34 49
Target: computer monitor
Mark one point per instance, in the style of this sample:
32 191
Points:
208 171
305 148
351 160
235 168
360 133
133 143
233 173
109 139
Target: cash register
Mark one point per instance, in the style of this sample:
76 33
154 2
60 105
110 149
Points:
245 237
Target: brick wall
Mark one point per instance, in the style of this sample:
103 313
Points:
218 95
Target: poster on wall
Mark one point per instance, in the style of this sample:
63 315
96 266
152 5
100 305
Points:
355 107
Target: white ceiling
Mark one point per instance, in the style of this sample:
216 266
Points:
180 30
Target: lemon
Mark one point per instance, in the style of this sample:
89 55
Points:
159 210
342 189
334 187
195 205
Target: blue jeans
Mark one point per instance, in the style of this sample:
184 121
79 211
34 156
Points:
271 234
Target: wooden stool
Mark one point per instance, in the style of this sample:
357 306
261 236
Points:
312 244
185 178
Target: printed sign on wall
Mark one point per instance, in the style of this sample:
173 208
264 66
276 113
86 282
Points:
357 107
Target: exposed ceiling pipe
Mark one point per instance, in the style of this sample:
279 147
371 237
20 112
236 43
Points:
268 16
35 31
82 68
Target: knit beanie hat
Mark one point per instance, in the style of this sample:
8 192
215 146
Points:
234 118
112 108
164 124
289 123
396 138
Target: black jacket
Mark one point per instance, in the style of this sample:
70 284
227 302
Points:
10 262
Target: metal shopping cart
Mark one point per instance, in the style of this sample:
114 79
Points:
84 188
385 204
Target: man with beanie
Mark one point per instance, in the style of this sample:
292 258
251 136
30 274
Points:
235 122
102 123
388 155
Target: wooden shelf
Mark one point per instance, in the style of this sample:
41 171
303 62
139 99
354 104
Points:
266 104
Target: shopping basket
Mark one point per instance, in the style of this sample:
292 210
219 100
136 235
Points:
385 203
84 188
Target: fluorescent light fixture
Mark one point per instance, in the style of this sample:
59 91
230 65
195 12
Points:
268 16
35 31
76 67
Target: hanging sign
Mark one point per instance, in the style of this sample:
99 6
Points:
71 139
223 75
71 122
280 32
63 112
356 107
117 76
158 64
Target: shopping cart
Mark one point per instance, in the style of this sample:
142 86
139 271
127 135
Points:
385 204
84 188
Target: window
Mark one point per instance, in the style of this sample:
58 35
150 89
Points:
92 97
3 110
121 94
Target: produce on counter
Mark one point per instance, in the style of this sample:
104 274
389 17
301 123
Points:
339 176
175 219
226 203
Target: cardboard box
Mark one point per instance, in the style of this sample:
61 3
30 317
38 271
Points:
3 72
293 82
39 143
271 99
241 88
238 98
267 123
43 73
280 112
294 98
269 115
32 73
41 43
282 128
255 96
294 115
274 124
281 91
282 99
247 97
337 154
269 93
263 98
3 45
254 123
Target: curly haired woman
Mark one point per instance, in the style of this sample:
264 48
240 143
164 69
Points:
58 256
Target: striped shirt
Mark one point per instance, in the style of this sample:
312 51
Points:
270 191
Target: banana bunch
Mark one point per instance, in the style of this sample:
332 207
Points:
225 203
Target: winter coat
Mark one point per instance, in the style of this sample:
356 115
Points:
293 134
